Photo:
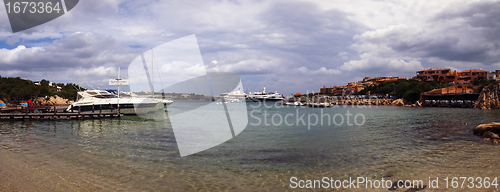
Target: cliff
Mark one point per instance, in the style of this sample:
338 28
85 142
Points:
489 97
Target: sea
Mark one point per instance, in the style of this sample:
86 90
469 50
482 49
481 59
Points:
282 148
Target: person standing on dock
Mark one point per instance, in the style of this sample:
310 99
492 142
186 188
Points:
30 103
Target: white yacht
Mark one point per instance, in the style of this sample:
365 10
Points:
163 100
129 105
264 96
235 96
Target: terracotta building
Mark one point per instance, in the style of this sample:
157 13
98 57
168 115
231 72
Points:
332 90
468 76
449 76
455 89
355 86
444 75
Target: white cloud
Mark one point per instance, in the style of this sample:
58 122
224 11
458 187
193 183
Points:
320 71
371 63
250 66
343 55
102 72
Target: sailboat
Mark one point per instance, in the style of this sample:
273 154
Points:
162 99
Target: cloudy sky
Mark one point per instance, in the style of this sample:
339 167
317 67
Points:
287 46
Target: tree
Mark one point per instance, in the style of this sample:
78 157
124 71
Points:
44 83
412 95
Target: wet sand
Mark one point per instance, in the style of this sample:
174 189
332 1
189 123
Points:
24 171
18 173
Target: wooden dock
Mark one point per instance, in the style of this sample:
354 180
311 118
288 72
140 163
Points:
55 114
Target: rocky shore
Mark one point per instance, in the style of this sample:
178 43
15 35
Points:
358 102
489 97
42 102
393 102
51 101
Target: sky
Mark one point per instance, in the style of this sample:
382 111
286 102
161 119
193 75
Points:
289 46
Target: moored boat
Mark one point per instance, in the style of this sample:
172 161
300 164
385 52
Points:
96 100
264 96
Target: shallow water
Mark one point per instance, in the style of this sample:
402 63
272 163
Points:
134 153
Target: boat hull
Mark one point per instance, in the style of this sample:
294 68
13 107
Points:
250 99
126 109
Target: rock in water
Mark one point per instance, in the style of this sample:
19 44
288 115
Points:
398 102
491 135
489 97
418 104
494 127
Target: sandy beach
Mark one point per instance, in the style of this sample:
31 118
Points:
25 171
21 173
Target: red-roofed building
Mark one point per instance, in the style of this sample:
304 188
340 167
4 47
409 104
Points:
332 90
447 75
467 76
444 75
455 89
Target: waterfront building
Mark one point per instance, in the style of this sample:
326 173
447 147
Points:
449 76
442 75
467 76
380 80
332 90
460 88
491 76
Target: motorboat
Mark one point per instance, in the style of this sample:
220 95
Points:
126 95
234 96
95 100
264 96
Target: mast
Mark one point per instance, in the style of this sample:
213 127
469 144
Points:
118 105
152 72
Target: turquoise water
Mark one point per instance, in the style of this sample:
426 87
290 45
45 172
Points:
134 153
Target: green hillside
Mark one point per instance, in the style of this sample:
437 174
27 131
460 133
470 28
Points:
15 89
